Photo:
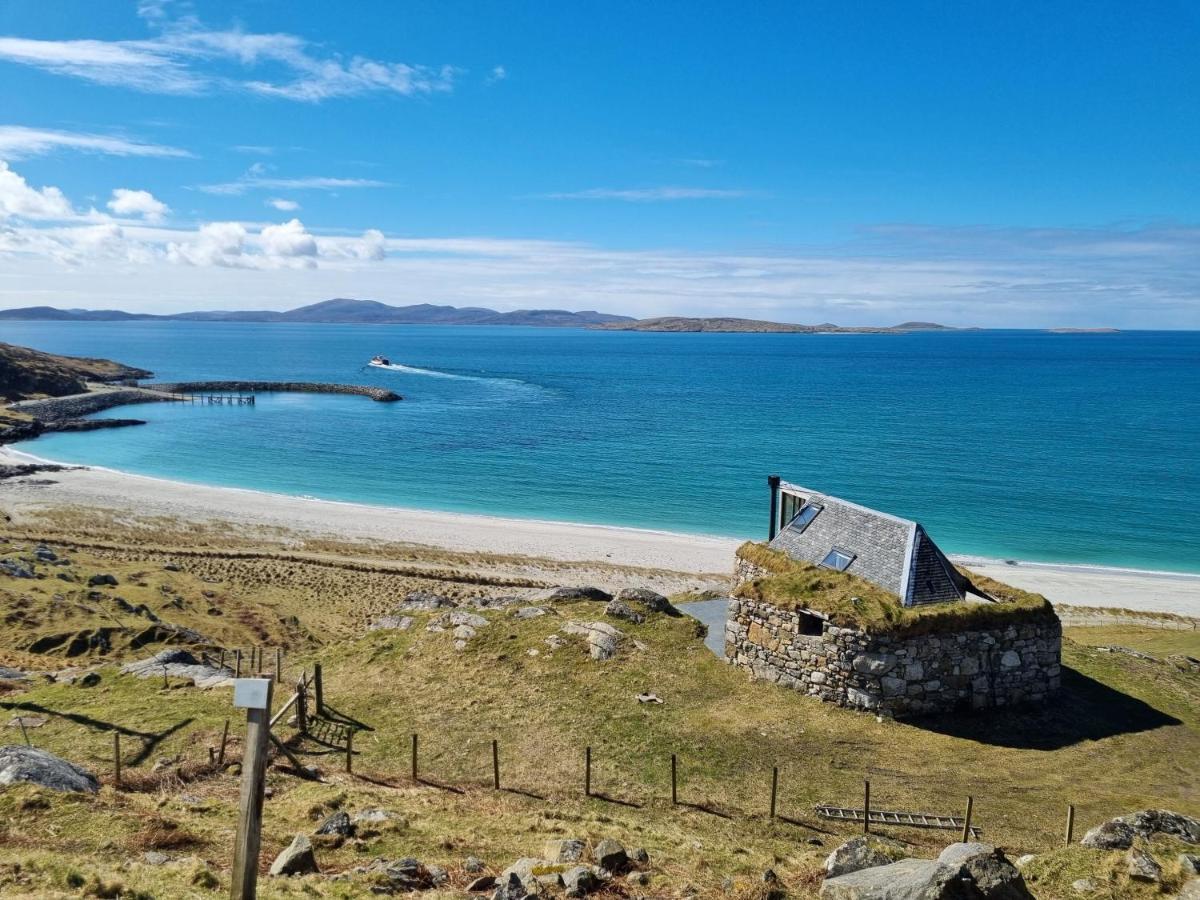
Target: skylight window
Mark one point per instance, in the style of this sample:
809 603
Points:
839 560
807 513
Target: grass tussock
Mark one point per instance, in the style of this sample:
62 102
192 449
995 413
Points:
853 602
163 834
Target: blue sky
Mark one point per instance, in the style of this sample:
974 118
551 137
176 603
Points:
980 163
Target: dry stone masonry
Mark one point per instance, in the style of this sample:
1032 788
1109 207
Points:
889 674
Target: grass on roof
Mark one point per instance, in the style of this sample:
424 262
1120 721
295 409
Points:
854 602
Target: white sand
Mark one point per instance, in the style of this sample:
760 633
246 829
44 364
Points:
120 492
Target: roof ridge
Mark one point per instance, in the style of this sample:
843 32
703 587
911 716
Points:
844 502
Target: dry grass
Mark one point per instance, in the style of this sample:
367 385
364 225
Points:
851 601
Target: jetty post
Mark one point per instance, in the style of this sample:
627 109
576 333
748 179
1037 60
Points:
253 695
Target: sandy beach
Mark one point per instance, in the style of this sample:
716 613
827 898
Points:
561 541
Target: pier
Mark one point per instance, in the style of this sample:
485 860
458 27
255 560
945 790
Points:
230 399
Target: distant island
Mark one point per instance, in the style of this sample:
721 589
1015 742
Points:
1084 330
337 311
760 326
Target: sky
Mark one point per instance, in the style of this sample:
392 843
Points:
998 164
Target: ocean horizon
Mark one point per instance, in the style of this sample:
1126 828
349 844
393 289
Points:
1069 449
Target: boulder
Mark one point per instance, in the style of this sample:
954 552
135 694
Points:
566 594
619 609
424 601
474 865
579 880
482 883
1141 866
466 618
608 854
602 638
510 888
1190 890
652 601
295 859
15 569
339 824
29 764
88 679
863 853
525 870
530 612
1118 833
398 623
1189 864
102 580
564 851
401 876
962 872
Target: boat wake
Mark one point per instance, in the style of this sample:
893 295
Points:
417 370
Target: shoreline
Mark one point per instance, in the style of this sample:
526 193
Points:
113 490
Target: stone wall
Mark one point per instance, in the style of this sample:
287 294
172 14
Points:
383 395
54 409
893 675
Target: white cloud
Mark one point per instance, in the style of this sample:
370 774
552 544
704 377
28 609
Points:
498 73
19 142
178 61
283 205
651 195
125 202
288 240
18 199
702 163
255 181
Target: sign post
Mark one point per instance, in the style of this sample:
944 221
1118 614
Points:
253 695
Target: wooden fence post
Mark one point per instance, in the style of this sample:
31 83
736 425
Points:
496 764
117 760
674 786
966 835
224 738
774 788
349 750
249 827
318 688
866 807
24 733
414 756
237 663
587 772
279 667
1070 824
221 664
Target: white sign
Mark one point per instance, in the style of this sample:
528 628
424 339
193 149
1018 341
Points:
250 693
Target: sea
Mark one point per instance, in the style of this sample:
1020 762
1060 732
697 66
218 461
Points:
1022 445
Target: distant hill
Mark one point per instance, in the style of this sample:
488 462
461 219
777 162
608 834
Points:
338 311
680 323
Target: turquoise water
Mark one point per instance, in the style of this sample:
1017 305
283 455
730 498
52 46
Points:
1027 445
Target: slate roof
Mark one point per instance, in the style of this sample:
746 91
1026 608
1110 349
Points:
895 554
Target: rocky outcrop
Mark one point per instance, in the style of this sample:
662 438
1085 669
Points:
863 852
178 663
567 594
602 638
892 674
1119 833
295 859
34 766
962 871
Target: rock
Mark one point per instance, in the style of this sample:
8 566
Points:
1023 861
962 871
874 663
482 883
398 623
652 601
564 851
339 823
1141 866
565 594
402 876
474 865
464 633
530 612
29 764
176 662
1118 833
523 871
154 858
372 817
863 853
579 880
104 580
45 554
640 856
1084 885
1190 890
638 879
1011 659
88 679
466 618
618 609
609 854
15 569
424 601
510 888
602 638
437 875
1189 863
649 698
295 859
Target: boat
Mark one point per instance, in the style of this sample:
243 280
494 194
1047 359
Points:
380 361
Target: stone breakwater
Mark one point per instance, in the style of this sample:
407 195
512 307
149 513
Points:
382 395
58 409
896 675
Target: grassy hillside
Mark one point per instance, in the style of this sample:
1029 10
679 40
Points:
27 373
1121 737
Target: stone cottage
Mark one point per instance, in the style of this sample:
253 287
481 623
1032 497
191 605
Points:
861 608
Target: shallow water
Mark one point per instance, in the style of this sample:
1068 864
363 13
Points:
1024 445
